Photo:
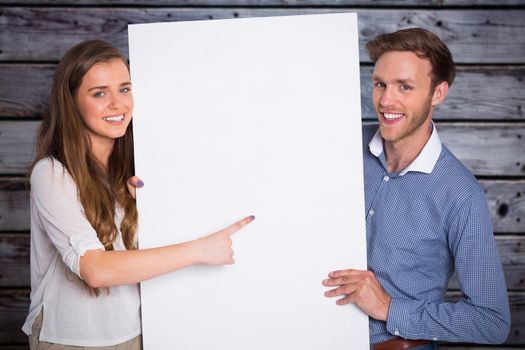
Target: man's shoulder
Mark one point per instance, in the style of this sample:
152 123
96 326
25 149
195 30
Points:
369 130
455 173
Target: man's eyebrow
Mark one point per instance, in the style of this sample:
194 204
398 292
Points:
398 81
401 81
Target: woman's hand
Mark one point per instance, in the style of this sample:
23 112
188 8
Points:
133 183
216 249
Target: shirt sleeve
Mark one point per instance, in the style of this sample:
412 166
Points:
482 314
60 213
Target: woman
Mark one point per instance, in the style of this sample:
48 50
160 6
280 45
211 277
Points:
85 267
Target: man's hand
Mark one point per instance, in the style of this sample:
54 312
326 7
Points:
361 288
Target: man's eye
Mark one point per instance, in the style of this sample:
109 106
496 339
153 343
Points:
99 94
406 87
380 85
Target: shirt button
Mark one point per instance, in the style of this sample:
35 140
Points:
371 212
396 332
386 178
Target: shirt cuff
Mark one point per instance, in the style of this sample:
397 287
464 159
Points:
398 319
81 243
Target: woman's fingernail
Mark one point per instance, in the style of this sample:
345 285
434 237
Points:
140 183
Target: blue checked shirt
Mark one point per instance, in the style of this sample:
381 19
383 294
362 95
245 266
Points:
422 224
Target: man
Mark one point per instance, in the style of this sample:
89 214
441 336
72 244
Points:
426 215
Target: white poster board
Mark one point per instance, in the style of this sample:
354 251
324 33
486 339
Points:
251 116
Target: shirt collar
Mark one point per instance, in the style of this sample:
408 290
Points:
424 162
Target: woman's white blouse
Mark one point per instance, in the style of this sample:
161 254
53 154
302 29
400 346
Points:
60 235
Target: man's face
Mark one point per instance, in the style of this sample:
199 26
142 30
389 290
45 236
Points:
401 94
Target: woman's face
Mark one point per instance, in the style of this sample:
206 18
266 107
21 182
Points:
105 102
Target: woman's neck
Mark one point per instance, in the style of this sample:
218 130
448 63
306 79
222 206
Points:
102 150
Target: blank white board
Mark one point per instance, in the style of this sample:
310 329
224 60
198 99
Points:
251 116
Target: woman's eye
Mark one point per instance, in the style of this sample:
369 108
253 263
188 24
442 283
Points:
99 94
405 87
125 90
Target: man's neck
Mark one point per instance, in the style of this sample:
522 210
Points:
400 154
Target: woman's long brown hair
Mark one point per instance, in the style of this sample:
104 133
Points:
62 136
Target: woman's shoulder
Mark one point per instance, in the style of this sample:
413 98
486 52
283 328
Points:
46 165
48 170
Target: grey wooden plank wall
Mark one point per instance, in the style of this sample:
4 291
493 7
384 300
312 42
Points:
482 121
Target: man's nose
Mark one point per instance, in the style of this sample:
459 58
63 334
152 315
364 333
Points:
387 97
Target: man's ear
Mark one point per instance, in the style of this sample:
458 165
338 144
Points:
440 92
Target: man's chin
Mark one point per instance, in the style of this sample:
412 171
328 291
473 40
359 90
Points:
387 132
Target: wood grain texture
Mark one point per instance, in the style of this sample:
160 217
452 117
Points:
14 204
14 260
485 148
14 305
275 3
506 200
473 35
480 92
25 89
482 3
16 146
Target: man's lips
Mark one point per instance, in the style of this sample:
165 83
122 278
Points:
393 116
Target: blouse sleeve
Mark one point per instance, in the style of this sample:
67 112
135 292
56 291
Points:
54 195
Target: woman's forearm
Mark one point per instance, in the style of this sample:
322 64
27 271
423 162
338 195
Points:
101 268
110 268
